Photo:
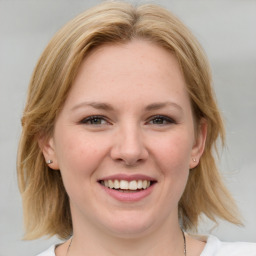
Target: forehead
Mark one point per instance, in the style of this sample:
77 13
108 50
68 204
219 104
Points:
139 67
139 52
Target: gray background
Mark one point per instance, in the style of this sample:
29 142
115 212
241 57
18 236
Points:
227 31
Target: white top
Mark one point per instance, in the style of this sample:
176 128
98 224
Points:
213 247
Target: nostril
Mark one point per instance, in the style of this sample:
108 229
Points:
129 148
132 162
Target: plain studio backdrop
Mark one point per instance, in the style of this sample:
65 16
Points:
227 31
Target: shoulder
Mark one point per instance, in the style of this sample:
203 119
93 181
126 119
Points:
214 247
49 252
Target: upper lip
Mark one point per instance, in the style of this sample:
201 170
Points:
128 177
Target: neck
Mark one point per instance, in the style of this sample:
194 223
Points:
168 240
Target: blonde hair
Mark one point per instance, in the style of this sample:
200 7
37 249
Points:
45 201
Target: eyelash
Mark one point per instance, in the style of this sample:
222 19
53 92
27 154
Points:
89 119
165 120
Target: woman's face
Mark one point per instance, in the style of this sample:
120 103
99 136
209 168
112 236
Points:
124 140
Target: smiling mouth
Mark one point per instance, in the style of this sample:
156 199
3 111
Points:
127 186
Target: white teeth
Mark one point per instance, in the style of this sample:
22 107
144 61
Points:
116 184
126 185
139 184
133 185
144 184
110 184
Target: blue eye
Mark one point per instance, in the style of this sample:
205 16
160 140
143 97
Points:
94 120
161 120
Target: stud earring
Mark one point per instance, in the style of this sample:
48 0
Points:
194 160
49 161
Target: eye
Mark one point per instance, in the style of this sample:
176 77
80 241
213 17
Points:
94 120
161 120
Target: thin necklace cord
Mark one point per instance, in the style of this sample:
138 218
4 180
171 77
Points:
185 243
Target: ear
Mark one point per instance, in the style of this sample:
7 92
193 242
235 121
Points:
199 144
48 149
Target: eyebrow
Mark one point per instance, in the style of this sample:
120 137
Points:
159 105
108 107
96 105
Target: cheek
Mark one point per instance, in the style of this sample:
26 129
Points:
78 159
77 154
173 158
174 153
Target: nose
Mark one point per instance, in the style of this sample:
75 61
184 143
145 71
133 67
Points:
129 146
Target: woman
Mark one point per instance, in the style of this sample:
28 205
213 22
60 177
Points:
119 133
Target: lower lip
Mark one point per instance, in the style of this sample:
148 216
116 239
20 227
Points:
129 196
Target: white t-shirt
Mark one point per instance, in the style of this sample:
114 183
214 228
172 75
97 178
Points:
213 247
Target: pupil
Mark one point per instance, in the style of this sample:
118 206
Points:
158 121
96 120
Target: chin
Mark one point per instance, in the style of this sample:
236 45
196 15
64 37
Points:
130 226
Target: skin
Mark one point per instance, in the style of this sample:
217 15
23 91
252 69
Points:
144 125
